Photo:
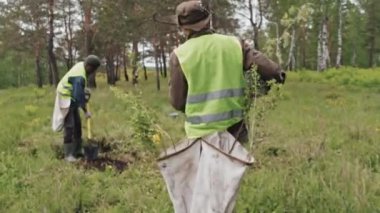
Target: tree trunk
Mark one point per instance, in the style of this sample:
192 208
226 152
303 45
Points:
117 69
210 8
326 49
38 68
163 57
145 72
278 48
256 38
50 73
125 57
291 58
303 47
371 51
88 30
143 63
53 69
110 67
134 62
323 51
157 68
353 59
340 40
255 25
67 21
372 31
160 62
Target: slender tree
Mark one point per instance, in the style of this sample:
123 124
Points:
88 27
52 61
338 62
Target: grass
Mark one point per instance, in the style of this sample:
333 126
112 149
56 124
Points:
319 151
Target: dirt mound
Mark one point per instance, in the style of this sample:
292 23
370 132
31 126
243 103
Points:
108 156
101 164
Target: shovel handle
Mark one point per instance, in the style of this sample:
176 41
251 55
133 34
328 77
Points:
89 134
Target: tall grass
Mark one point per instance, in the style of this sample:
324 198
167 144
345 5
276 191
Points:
318 151
349 76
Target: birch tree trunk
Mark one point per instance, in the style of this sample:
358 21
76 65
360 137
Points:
340 39
303 45
210 8
291 58
326 51
278 50
323 50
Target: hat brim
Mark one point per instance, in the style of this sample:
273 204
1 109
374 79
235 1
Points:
170 20
173 20
199 25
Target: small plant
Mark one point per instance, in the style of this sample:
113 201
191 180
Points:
143 120
261 98
30 109
39 93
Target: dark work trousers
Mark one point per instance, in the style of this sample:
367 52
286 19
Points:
72 126
239 131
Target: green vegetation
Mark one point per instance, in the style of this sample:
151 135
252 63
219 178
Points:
318 150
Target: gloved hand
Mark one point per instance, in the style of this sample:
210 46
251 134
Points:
88 115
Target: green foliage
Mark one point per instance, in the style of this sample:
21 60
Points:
13 75
319 152
345 76
259 103
319 145
142 119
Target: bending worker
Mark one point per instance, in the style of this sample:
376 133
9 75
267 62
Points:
71 95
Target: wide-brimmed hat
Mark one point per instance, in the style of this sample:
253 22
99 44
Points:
192 15
92 60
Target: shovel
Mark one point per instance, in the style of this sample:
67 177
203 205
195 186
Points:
89 133
91 150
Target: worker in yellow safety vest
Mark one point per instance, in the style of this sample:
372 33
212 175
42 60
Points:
207 75
71 95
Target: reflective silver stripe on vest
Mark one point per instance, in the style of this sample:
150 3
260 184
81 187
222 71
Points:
227 93
64 95
215 117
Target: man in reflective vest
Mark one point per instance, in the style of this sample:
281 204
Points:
207 75
203 172
71 96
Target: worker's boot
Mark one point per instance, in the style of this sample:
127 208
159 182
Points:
78 148
69 149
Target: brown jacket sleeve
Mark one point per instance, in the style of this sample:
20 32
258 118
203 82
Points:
177 84
267 69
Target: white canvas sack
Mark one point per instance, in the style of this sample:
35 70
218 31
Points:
61 108
203 175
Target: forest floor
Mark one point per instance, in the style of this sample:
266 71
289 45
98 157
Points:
320 150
